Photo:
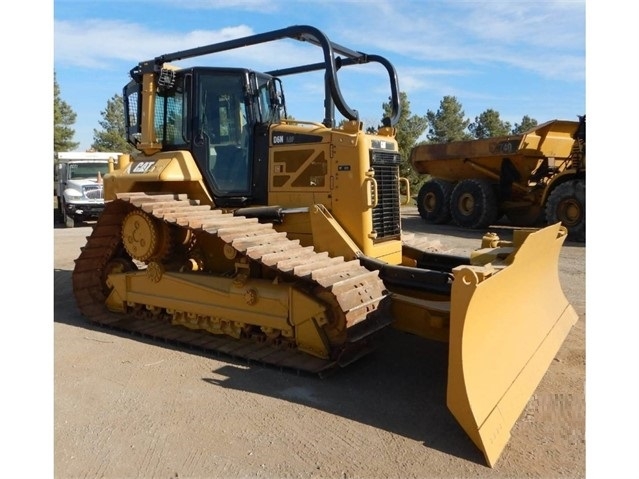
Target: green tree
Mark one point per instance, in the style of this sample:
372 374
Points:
409 129
488 125
63 120
448 123
526 124
112 137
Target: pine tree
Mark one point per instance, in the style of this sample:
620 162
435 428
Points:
409 129
112 137
488 125
526 124
63 120
447 123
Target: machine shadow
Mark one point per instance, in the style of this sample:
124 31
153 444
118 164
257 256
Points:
399 388
66 312
64 309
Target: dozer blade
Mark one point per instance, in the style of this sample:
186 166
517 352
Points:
504 333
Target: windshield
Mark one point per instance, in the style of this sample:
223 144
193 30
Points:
224 126
87 170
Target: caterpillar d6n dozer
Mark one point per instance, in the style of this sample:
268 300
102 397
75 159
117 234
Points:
238 230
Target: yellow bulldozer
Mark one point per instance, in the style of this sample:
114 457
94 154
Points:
239 230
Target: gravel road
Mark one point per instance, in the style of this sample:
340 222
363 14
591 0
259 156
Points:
128 408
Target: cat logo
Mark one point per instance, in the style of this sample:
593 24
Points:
143 167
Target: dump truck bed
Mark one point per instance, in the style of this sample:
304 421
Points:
458 160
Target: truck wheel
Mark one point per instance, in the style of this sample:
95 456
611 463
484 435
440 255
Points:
433 201
66 219
567 203
59 212
473 204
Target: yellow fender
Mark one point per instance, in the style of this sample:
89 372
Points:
505 330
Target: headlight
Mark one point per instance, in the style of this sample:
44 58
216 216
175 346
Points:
75 194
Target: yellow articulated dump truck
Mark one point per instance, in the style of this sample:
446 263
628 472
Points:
535 177
236 229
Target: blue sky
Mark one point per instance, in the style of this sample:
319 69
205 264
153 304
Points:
519 58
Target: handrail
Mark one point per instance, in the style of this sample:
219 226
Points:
331 64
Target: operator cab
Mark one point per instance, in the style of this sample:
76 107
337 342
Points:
221 116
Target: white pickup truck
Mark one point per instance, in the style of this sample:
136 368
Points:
78 185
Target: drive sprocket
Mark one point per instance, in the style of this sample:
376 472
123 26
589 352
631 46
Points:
144 237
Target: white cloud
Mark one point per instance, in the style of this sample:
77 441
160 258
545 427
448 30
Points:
83 44
546 38
97 43
262 6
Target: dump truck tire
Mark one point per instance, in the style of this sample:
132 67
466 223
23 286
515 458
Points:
567 204
433 201
473 204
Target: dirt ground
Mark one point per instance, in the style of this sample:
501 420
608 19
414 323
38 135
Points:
128 408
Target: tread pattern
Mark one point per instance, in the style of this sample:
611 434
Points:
358 292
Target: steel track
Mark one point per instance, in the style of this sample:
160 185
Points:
359 292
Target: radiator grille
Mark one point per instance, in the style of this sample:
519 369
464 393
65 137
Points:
386 215
94 192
